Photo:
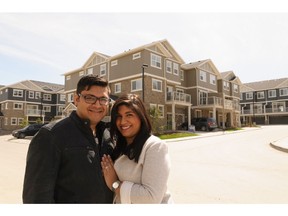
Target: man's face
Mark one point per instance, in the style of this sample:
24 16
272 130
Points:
95 112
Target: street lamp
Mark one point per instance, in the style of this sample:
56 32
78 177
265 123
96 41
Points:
143 67
254 99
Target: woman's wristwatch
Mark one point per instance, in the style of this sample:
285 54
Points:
115 185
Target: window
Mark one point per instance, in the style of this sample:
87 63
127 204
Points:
161 111
70 97
168 67
278 106
203 76
18 106
20 121
260 95
13 121
114 63
37 95
62 97
47 97
90 71
284 92
212 79
249 95
226 85
31 94
81 73
136 55
117 87
156 85
17 93
175 69
103 70
271 93
202 98
235 87
136 85
181 75
47 108
153 107
155 61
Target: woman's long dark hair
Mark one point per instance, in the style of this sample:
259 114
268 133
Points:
134 149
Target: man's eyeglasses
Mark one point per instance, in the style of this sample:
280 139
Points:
91 99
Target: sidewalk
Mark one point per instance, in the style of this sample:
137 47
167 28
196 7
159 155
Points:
281 144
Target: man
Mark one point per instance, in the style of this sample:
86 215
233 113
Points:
63 160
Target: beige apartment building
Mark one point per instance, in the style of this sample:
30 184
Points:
179 91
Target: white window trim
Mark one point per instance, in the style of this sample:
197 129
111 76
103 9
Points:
137 89
283 92
175 69
158 81
156 59
236 88
114 63
161 110
273 93
81 73
90 70
47 97
169 63
16 93
203 76
13 119
115 86
249 96
136 56
212 79
20 106
181 73
260 95
103 70
47 109
31 94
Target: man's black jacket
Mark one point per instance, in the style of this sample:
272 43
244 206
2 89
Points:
63 164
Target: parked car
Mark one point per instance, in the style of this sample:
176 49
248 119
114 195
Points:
29 130
204 124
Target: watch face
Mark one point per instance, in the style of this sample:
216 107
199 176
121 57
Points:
115 185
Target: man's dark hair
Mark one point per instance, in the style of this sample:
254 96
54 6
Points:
86 82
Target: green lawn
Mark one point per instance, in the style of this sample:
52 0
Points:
176 135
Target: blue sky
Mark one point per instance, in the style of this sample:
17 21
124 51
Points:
44 45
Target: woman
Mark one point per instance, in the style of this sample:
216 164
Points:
141 169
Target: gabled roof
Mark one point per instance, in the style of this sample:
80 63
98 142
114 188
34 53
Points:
265 85
230 76
37 86
201 65
162 46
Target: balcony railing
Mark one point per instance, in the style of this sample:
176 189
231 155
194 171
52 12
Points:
178 97
218 101
265 111
34 112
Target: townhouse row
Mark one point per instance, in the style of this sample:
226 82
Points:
179 91
157 73
30 101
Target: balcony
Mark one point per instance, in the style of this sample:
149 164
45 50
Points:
178 97
34 112
278 110
218 102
